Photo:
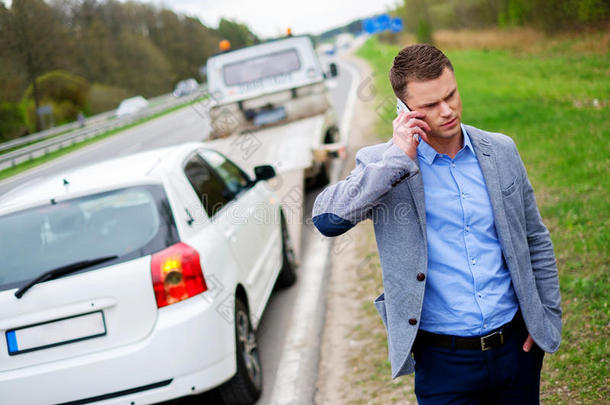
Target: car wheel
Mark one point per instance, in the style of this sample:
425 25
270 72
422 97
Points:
288 275
246 385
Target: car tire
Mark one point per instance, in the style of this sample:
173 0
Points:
288 275
246 385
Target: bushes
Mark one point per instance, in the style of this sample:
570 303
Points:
11 121
66 93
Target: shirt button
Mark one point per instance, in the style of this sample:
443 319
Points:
480 295
463 195
467 229
474 261
421 276
485 325
412 321
453 164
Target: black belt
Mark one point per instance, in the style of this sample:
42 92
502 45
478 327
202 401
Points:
489 341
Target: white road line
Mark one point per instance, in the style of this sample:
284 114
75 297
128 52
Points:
297 370
346 122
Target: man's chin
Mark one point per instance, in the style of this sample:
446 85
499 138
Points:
448 133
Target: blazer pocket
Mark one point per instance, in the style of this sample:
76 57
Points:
380 305
514 185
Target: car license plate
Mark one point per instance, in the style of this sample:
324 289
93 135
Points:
55 333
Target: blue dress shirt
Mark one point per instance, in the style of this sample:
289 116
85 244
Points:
468 288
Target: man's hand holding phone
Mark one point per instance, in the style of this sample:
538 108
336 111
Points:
408 127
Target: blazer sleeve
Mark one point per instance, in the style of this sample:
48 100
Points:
541 251
341 206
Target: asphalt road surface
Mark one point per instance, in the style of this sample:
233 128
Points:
192 124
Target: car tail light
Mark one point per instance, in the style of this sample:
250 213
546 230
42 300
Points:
176 274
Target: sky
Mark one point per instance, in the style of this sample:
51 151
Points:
269 18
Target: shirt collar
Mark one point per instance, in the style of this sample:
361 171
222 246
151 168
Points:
428 154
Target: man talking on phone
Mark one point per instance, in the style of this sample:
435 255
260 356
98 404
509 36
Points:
471 295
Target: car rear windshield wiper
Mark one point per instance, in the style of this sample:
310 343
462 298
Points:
62 271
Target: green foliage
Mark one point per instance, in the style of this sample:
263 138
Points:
424 32
105 98
555 106
11 121
238 34
59 85
552 16
65 92
128 48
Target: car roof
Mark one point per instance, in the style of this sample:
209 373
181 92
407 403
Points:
98 177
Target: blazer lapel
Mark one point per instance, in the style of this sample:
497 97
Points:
487 161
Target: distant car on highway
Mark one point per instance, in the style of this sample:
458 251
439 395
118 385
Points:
131 106
139 279
186 87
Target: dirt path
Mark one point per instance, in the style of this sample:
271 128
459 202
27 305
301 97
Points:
354 366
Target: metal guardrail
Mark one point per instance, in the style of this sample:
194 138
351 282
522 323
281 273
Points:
95 126
47 133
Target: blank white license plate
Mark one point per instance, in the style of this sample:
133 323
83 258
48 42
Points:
55 333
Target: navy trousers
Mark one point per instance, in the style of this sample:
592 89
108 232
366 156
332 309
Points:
502 375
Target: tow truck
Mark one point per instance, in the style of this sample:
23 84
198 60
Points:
270 104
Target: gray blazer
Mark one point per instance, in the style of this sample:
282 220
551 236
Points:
386 187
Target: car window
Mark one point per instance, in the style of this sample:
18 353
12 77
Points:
235 178
211 190
128 223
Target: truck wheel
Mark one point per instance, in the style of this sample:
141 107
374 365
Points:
322 178
245 387
288 275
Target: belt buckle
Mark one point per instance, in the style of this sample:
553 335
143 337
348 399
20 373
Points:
486 346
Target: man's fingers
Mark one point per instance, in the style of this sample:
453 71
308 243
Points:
405 116
529 342
425 137
408 136
419 123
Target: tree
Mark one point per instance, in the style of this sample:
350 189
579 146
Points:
238 34
33 36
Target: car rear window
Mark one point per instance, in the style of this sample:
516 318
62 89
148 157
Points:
128 223
261 67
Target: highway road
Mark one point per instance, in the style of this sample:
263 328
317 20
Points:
192 124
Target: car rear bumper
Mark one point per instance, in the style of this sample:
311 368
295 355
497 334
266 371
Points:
191 346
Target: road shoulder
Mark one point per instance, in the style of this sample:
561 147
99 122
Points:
354 366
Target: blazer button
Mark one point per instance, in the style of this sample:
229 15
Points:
421 276
412 321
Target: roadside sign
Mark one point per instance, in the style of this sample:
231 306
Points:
382 23
396 24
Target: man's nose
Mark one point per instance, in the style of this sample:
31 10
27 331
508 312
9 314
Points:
445 109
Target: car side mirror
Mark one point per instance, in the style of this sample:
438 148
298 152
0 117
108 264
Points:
333 69
264 172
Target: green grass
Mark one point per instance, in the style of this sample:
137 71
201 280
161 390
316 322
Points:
555 106
21 167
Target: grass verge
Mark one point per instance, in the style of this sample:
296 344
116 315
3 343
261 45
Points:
21 167
554 104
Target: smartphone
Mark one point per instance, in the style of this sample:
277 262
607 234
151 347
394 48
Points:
400 106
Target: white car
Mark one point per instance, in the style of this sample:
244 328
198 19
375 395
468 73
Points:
186 87
131 106
139 280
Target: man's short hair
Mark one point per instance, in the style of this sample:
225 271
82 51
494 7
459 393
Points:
420 62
